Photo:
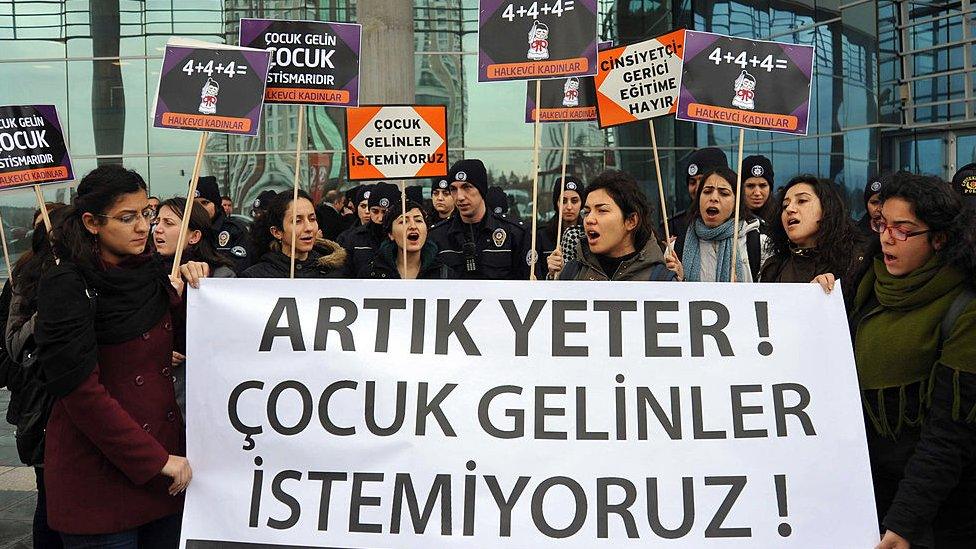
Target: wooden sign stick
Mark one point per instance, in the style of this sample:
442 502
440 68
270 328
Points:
294 194
185 225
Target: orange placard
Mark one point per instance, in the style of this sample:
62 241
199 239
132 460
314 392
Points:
396 142
305 96
538 69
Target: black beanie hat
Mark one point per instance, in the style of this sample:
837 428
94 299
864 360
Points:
758 166
263 200
705 160
572 184
440 183
415 193
964 183
363 193
351 193
497 200
384 195
872 187
207 188
471 171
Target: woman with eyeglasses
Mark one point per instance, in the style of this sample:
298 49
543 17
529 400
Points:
106 329
814 239
912 323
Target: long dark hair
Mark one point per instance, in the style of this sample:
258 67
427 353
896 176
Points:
624 190
97 192
274 217
204 249
939 207
837 233
730 177
27 272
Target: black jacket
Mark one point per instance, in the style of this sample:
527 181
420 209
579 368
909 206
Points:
331 222
326 260
361 244
802 266
233 241
384 265
499 247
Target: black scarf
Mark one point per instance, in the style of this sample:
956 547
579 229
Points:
80 308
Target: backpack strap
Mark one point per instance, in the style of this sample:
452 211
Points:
754 253
959 305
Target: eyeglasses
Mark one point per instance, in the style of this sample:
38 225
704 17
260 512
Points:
895 232
149 214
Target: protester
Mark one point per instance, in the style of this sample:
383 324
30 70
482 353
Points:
707 251
314 257
815 239
421 257
30 405
198 245
361 243
569 212
233 241
441 199
620 243
260 205
912 323
363 217
758 185
699 163
329 213
227 204
475 242
105 331
964 183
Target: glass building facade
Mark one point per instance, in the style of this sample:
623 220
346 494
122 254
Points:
892 89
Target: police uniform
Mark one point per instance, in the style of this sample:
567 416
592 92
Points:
362 242
497 248
233 241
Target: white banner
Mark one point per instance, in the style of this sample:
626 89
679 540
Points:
340 413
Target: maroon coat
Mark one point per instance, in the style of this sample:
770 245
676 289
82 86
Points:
108 440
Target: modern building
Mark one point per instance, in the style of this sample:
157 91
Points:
893 89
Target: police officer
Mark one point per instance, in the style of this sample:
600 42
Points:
260 204
233 240
964 183
362 242
699 163
497 200
477 243
442 203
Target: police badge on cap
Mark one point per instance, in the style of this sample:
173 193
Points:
875 186
757 171
196 193
223 238
498 237
366 195
256 204
571 186
442 184
461 176
384 203
692 169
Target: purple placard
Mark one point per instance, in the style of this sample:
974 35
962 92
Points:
312 62
753 84
531 40
33 150
207 87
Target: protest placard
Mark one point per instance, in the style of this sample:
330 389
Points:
535 40
396 142
562 100
341 414
752 84
33 150
639 81
312 62
211 87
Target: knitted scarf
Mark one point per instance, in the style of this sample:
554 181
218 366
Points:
897 326
691 256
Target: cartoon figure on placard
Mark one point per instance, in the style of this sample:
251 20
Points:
538 42
571 92
745 94
208 97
